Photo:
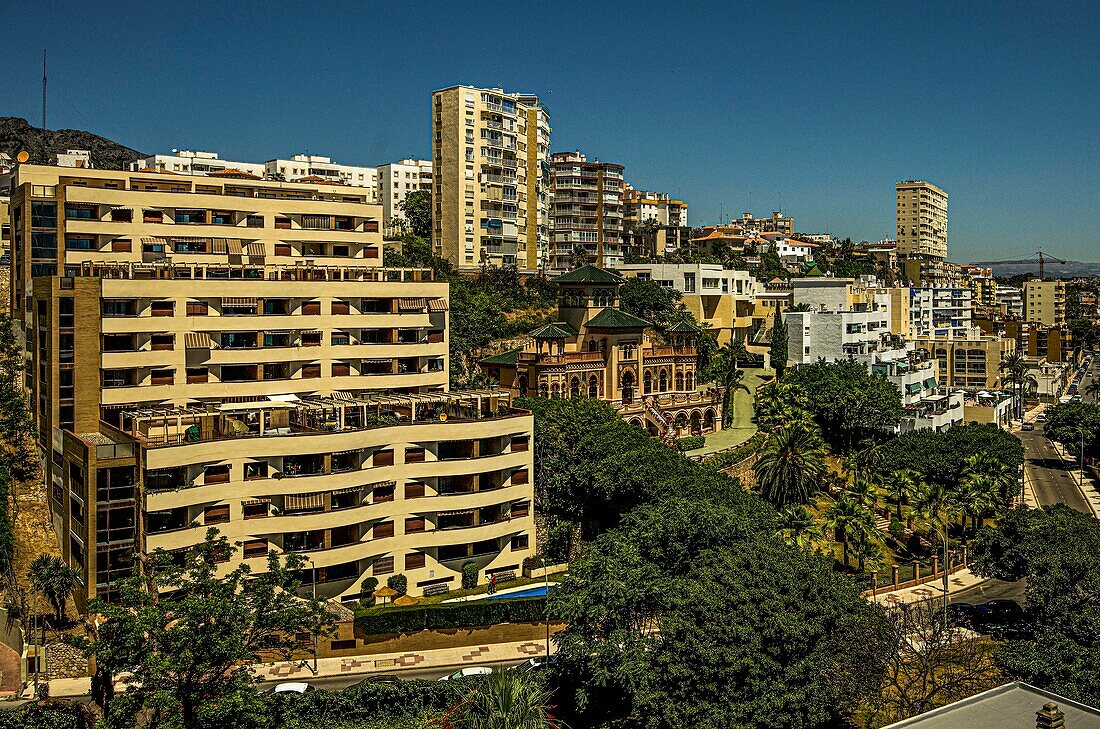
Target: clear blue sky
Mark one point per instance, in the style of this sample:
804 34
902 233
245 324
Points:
820 107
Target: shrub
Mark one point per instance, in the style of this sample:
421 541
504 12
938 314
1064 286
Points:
738 453
399 583
559 541
469 575
897 529
690 443
369 586
444 616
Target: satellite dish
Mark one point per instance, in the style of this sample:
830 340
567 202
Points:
22 156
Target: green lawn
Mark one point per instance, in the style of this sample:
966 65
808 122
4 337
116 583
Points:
742 427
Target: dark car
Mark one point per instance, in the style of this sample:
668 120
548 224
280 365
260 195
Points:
960 614
1000 618
377 678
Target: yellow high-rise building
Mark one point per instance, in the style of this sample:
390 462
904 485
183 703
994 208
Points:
1045 302
491 186
922 219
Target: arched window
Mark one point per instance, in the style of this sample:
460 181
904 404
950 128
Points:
628 388
593 386
555 392
575 387
708 419
521 385
689 381
544 391
662 381
679 381
647 382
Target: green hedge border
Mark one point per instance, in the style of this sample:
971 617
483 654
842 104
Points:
449 615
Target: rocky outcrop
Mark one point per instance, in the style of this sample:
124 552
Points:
17 135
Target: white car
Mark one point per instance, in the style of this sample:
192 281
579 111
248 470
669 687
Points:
467 672
1041 418
293 687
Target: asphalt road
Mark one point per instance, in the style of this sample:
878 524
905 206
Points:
1051 482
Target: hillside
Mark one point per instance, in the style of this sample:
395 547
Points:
43 144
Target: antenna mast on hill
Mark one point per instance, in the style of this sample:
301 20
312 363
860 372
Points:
43 88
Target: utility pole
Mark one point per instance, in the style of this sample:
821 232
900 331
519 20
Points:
43 88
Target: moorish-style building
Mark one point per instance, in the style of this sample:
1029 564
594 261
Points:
597 350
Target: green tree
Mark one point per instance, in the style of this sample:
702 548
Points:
690 614
417 209
54 579
1055 548
791 466
507 700
847 401
724 372
185 638
903 486
1014 372
778 346
849 521
649 300
941 456
780 402
1067 422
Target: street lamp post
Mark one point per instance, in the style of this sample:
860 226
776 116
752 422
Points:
34 637
313 568
946 564
546 600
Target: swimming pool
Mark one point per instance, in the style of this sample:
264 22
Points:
529 592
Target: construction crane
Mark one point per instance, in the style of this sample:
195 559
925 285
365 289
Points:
1040 256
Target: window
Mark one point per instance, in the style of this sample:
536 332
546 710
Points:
311 308
197 308
382 493
163 308
255 221
255 509
382 566
414 455
197 375
520 542
519 477
216 514
255 548
382 530
414 561
282 249
122 246
414 490
383 458
255 470
311 371
216 474
163 376
341 307
341 369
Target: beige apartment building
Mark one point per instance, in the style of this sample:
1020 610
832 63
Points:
232 353
640 206
921 219
587 215
972 362
1045 302
490 170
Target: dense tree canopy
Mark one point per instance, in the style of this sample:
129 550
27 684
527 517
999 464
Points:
1066 423
1055 549
846 400
691 614
941 456
651 301
417 209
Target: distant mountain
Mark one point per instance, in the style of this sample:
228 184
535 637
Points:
17 135
1069 269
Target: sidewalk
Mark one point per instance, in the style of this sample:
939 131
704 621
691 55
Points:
365 665
957 581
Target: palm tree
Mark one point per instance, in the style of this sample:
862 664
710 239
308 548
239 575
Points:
863 491
507 700
791 466
54 579
731 381
1093 388
868 552
903 486
848 520
934 506
1015 368
780 403
798 527
977 496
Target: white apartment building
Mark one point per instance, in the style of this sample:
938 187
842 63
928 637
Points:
793 250
640 206
924 403
835 336
315 168
395 181
941 311
1010 299
197 162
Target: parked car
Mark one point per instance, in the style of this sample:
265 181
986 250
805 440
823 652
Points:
379 678
467 672
960 614
293 687
1041 418
1027 426
532 665
1001 618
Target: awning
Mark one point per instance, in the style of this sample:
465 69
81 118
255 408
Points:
437 305
913 387
256 250
155 241
255 502
234 245
411 304
237 301
305 501
352 490
930 382
382 484
198 340
219 245
121 207
459 512
291 397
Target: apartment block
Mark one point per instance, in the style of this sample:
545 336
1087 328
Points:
395 181
941 311
196 162
232 353
863 336
1045 302
640 206
491 177
777 222
972 361
721 300
921 219
586 214
1010 301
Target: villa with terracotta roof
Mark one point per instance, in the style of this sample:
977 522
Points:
596 349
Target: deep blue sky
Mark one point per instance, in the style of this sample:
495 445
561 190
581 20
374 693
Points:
820 108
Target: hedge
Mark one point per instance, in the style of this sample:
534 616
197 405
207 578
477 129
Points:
690 442
738 453
444 616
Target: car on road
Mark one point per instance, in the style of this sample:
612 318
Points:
379 678
536 664
1000 618
468 672
1027 426
1041 418
293 687
961 614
